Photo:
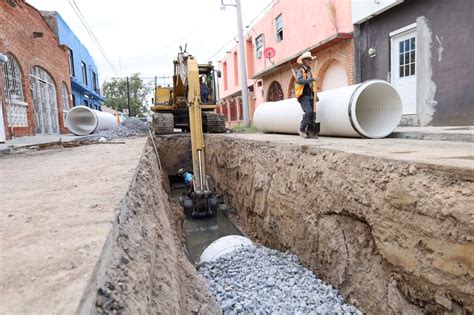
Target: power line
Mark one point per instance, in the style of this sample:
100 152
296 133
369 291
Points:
220 49
248 25
83 20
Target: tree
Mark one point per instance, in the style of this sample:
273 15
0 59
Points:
116 93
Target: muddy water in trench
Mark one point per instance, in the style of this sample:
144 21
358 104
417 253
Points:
199 233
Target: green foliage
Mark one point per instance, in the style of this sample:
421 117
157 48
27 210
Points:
116 92
243 129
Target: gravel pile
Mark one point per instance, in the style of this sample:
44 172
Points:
258 280
128 128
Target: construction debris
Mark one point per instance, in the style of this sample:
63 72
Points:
259 280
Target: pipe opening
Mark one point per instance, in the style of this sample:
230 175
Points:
378 110
81 120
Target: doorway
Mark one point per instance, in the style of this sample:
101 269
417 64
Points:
403 66
44 102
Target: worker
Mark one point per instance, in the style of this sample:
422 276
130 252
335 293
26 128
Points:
304 91
188 179
204 91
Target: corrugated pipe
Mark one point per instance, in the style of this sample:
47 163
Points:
82 120
223 246
371 109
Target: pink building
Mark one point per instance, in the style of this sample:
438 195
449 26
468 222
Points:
290 27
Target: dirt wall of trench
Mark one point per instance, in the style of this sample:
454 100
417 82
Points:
394 237
143 267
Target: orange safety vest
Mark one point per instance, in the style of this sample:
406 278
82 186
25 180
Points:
299 87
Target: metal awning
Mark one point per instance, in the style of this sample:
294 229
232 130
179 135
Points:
90 93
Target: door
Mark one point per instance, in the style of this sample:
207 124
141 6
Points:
44 102
335 77
403 68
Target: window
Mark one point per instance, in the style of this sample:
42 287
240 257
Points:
71 63
275 92
259 41
406 62
94 82
64 101
73 100
279 28
236 69
224 69
17 108
84 73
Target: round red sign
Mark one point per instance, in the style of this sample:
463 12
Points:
269 52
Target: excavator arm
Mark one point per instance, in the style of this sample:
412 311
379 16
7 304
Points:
202 200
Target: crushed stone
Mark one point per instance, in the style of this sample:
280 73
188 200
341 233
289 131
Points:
132 127
259 280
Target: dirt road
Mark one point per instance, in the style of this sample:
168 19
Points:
56 210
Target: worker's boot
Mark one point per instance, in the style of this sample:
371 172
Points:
303 134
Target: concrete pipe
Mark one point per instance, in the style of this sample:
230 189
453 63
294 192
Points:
223 246
372 109
82 120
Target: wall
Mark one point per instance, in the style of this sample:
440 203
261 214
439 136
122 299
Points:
342 53
305 24
16 37
361 10
445 90
80 54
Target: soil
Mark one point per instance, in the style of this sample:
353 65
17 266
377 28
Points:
90 229
389 222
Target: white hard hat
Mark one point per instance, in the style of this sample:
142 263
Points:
305 55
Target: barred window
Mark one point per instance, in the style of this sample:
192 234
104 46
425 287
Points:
64 101
17 108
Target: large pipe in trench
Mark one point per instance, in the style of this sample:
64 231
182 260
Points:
82 120
372 109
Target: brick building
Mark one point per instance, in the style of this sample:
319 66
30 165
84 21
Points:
34 83
290 28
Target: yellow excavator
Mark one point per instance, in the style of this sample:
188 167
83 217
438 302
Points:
183 107
171 104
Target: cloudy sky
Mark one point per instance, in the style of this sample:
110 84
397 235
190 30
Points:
143 35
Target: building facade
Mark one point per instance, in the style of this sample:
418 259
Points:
82 67
424 48
289 28
34 82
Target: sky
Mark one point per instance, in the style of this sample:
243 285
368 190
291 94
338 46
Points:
144 35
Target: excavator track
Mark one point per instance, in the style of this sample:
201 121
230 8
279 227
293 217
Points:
213 122
163 123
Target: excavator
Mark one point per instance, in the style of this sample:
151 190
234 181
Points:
171 105
182 107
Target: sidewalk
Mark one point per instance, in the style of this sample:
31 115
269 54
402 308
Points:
35 140
447 133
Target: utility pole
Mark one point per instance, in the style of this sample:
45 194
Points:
128 98
242 64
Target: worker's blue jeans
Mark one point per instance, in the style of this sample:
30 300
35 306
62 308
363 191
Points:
306 103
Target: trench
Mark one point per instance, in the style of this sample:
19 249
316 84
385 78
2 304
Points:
148 265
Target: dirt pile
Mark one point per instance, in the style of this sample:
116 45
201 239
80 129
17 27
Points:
393 236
